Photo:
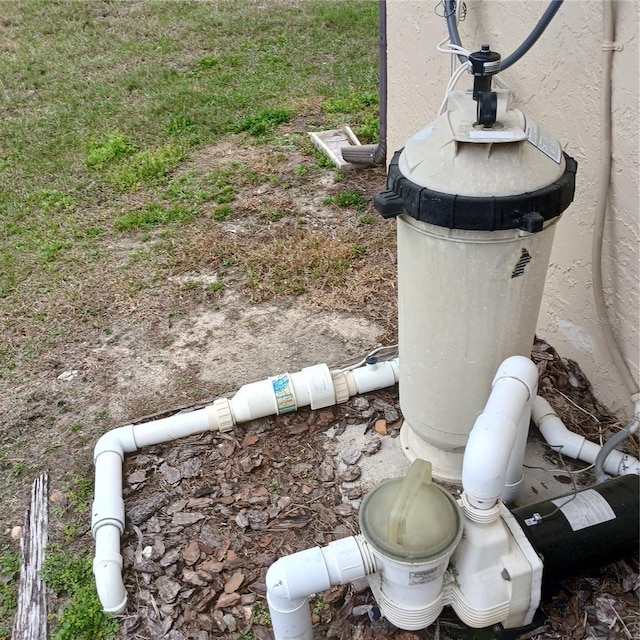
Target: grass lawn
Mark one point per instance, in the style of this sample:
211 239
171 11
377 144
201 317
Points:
104 103
114 115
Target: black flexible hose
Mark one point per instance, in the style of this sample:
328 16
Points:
529 41
452 25
611 444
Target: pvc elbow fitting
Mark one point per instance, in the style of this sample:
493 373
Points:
522 369
119 440
291 579
491 442
486 457
555 432
571 444
107 570
316 569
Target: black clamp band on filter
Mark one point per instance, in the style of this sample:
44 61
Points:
527 211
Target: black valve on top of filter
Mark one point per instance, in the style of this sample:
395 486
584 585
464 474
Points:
485 64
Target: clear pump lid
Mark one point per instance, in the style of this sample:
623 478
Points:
411 518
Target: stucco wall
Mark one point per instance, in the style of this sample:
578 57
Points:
557 83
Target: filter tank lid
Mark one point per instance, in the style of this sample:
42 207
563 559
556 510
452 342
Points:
456 174
411 518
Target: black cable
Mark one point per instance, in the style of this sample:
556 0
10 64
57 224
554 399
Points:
529 41
611 444
454 35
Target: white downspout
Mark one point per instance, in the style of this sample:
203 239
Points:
291 579
494 446
316 386
575 446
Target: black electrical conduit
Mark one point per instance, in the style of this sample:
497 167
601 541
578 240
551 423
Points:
610 445
370 154
529 41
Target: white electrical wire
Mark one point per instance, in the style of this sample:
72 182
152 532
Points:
454 50
453 80
447 47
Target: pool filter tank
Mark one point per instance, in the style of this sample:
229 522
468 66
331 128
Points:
476 195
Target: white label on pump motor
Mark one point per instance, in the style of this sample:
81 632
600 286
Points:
586 509
540 139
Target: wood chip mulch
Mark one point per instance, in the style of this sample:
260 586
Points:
208 515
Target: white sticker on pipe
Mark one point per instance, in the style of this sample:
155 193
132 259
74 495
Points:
319 384
586 509
426 576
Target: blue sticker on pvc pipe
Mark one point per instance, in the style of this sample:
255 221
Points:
283 391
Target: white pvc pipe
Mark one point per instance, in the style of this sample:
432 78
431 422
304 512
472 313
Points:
494 434
515 473
315 386
571 444
291 579
372 377
107 569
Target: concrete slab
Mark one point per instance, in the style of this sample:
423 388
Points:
544 478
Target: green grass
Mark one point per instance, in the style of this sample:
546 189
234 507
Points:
260 614
102 153
103 103
358 106
9 571
348 198
146 167
151 216
80 616
109 112
263 122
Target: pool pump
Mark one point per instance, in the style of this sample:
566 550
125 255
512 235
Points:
421 550
476 207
